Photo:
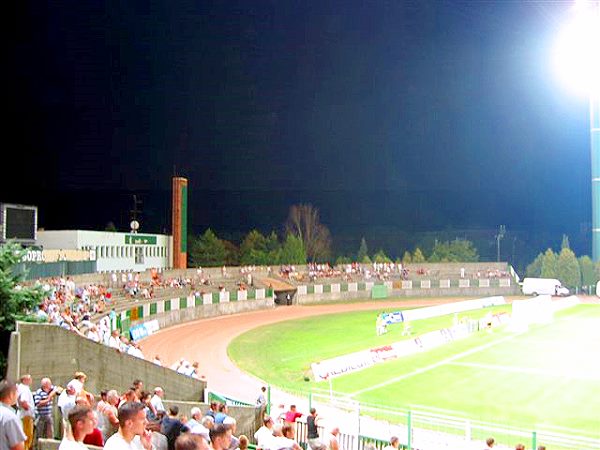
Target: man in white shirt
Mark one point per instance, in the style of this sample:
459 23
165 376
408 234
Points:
82 421
11 432
132 434
264 433
66 400
26 408
156 399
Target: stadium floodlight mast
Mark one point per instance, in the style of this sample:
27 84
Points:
577 60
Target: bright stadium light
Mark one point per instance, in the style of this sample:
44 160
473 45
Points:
577 61
577 50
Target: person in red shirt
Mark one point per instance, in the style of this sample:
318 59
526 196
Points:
292 415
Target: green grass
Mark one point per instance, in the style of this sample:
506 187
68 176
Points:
549 376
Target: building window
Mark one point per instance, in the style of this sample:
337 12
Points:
139 255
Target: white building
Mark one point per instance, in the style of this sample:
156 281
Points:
114 251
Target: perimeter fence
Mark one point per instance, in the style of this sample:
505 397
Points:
365 426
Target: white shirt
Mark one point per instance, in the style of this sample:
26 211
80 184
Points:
116 442
66 403
156 401
25 395
67 444
262 436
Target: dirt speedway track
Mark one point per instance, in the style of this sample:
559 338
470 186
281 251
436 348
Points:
206 340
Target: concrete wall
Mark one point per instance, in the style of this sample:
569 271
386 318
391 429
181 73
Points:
178 316
48 350
399 293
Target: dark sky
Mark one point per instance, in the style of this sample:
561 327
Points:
418 115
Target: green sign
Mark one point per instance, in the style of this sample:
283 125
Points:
140 239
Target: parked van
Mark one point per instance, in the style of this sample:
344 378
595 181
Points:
543 286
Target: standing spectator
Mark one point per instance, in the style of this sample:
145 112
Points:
196 415
26 408
172 427
394 443
109 415
287 441
157 399
261 400
220 437
212 409
132 434
312 431
519 447
146 399
292 415
43 399
243 442
82 422
66 400
12 436
204 427
541 447
264 433
333 443
191 442
222 414
489 443
138 387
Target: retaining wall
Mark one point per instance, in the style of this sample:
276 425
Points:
334 295
48 350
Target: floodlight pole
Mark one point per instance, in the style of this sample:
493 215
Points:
595 150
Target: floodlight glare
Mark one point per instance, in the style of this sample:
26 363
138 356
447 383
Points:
577 50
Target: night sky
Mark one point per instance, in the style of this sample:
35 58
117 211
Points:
389 116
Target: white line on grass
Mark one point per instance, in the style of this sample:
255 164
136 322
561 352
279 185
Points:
530 370
436 365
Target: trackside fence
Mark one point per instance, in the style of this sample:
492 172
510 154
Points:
369 427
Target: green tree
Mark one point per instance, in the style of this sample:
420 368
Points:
381 257
363 250
568 268
549 264
110 226
292 251
304 222
534 270
232 253
17 301
366 260
207 250
588 274
458 250
273 249
418 256
253 249
343 260
406 258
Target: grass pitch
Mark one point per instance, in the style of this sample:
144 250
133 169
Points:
546 377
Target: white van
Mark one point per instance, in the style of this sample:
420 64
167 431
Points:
543 286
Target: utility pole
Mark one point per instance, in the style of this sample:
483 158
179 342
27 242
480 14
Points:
134 214
499 237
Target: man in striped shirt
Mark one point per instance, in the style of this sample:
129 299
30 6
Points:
43 399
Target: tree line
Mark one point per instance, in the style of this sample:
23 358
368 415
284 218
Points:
306 239
571 270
